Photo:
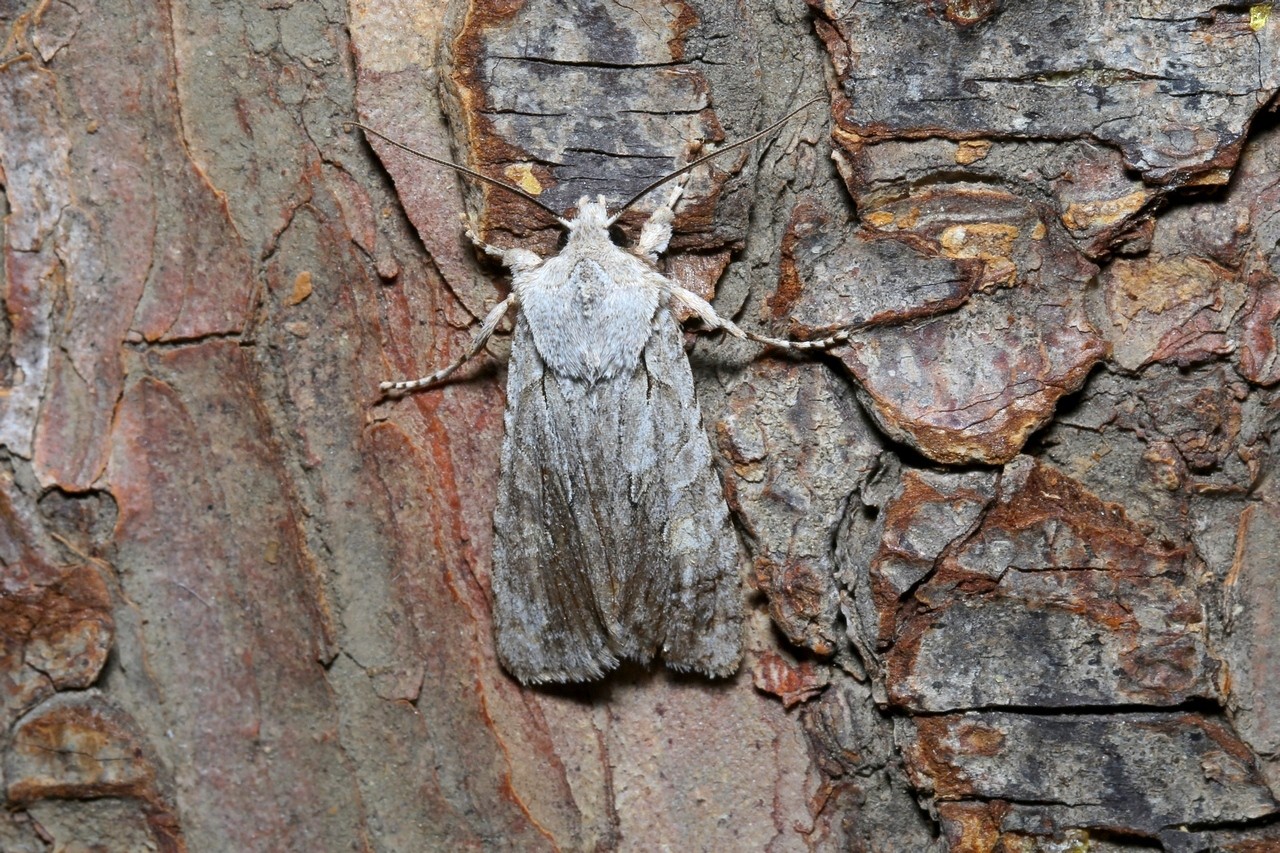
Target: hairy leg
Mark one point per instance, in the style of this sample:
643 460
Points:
712 320
490 323
518 261
656 233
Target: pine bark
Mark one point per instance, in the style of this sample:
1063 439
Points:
1010 555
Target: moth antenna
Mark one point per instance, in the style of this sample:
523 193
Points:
696 163
439 161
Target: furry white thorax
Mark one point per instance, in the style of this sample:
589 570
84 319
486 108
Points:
591 307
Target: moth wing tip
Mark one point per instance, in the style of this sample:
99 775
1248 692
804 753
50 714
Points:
592 669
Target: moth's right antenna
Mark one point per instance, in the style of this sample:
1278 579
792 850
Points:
696 163
463 169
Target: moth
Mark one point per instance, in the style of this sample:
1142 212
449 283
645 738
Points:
612 537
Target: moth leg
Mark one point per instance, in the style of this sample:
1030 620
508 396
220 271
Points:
491 321
712 320
516 260
656 233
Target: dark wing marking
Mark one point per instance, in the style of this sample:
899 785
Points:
612 538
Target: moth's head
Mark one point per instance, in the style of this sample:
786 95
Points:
592 221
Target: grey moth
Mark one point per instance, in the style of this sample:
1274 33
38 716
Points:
612 537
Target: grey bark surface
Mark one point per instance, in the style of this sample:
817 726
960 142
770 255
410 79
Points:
1010 556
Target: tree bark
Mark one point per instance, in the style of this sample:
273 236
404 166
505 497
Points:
1010 554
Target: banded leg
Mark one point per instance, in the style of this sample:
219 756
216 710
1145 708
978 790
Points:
712 320
491 321
516 260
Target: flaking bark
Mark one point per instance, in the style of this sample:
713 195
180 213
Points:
1024 587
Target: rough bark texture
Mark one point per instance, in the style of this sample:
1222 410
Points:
1013 551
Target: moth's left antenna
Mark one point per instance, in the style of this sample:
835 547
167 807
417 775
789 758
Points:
439 161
